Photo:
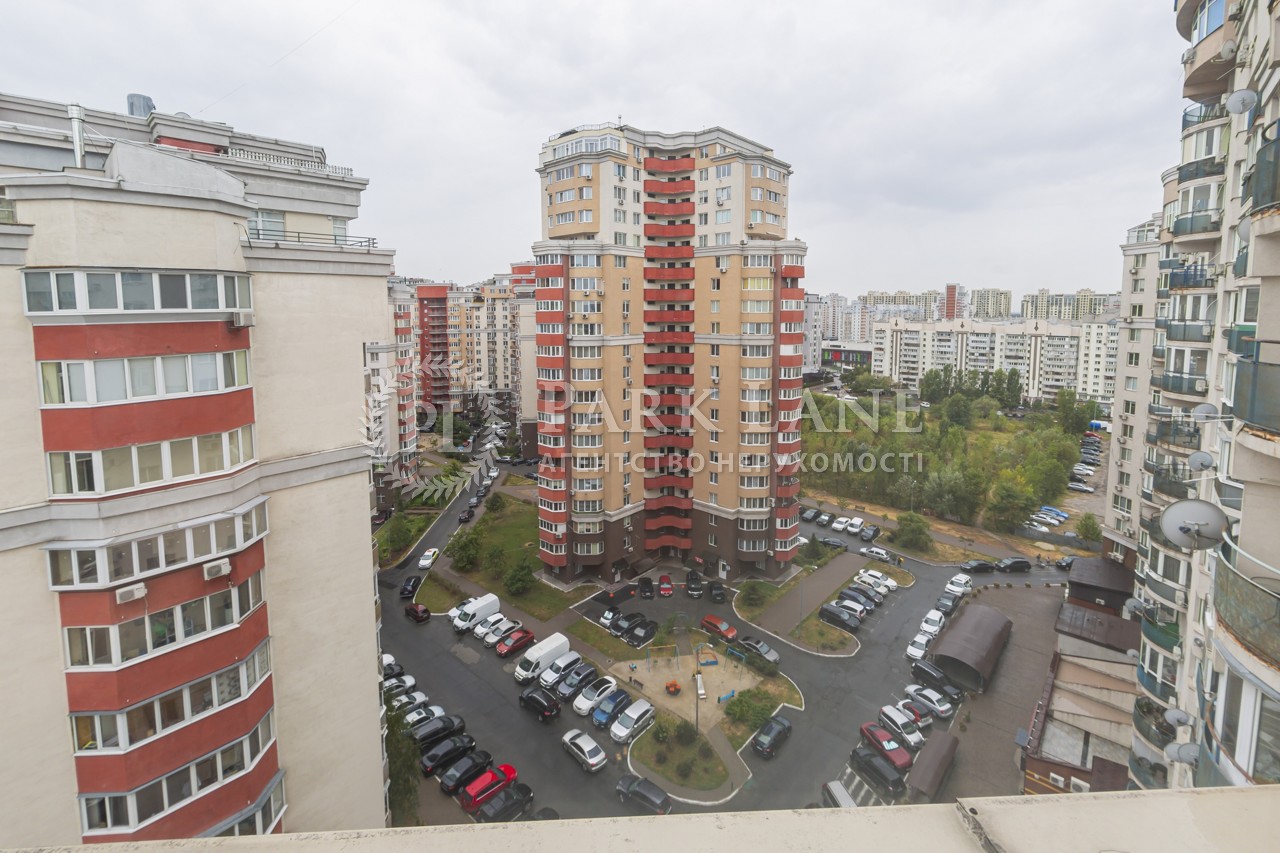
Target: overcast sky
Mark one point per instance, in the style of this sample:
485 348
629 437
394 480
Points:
995 143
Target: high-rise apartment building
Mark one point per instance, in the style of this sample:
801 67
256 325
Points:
812 332
833 308
393 392
1081 305
905 304
990 303
670 349
1203 374
954 303
184 529
433 345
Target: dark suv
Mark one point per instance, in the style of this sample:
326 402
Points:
644 587
772 735
1013 564
541 703
693 584
643 795
876 770
929 675
571 685
976 567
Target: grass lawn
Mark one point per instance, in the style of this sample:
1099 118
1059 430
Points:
665 759
417 521
944 553
818 634
777 686
598 638
439 595
517 480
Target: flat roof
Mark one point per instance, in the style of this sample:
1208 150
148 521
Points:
1098 627
1101 573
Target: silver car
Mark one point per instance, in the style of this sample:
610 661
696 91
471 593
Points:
584 750
486 625
931 699
594 694
500 631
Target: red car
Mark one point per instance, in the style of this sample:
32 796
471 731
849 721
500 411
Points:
417 612
665 588
486 786
717 627
881 740
514 642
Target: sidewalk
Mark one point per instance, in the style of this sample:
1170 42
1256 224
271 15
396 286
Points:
783 615
984 541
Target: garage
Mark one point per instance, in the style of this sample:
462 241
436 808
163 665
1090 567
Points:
970 647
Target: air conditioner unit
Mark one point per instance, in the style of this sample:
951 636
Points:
628 380
1235 11
1119 489
719 202
217 569
621 202
715 380
131 593
1122 440
1188 56
626 357
751 225
1202 385
241 319
1180 598
1124 416
724 269
599 293
1134 270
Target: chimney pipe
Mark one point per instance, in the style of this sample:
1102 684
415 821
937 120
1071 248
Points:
76 112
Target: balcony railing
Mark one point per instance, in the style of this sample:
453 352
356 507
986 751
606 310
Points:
1184 383
1257 394
1190 277
1240 266
1197 222
1169 263
1246 597
1190 331
1241 340
1152 526
1160 689
1157 353
1266 176
1150 776
1177 434
1230 496
1161 323
1170 485
1199 113
272 235
1206 167
1163 634
1148 719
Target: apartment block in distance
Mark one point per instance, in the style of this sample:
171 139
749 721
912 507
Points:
1209 657
184 528
393 392
670 338
433 345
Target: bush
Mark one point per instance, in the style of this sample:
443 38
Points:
912 532
660 731
464 549
495 502
660 757
762 666
686 733
704 751
519 578
685 768
752 707
752 594
399 536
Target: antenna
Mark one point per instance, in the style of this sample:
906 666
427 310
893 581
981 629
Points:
1194 524
1201 460
1241 100
1244 228
1228 50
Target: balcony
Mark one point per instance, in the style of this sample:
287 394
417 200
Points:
1167 592
1240 266
661 208
1148 719
668 165
1201 113
668 481
1157 353
658 380
669 273
1169 484
668 519
668 294
678 400
309 238
1230 496
1177 434
1190 278
1266 176
1190 331
668 251
668 502
667 421
1160 690
1246 597
686 230
1184 383
1205 167
662 442
1151 776
654 359
657 543
668 317
1241 340
1204 222
668 337
683 187
1163 634
1257 394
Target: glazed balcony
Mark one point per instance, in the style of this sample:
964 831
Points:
650 230
1163 634
792 271
1205 167
1151 776
1242 340
1184 383
656 543
1204 74
1157 353
668 338
1246 597
1266 176
653 359
1165 591
668 520
668 251
669 461
662 208
788 489
668 294
1194 277
1149 721
667 165
1197 225
664 442
668 481
669 273
680 187
682 317
1257 394
1180 435
1159 690
1190 331
668 502
1198 114
667 421
679 400
1230 495
659 380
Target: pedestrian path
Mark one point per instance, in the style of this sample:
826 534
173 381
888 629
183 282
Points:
783 615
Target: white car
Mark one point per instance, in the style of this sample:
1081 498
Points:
631 722
880 588
428 559
932 623
840 524
500 631
960 585
457 608
584 750
425 714
918 646
855 526
931 699
876 553
854 607
410 702
393 687
1085 470
594 694
1036 526
487 624
1080 487
1045 518
879 577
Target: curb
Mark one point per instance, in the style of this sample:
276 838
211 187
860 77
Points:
781 639
691 802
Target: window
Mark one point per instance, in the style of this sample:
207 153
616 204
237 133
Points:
112 380
266 224
118 468
702 219
724 217
724 170
1132 359
722 238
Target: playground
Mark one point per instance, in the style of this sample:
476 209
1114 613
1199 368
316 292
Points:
667 678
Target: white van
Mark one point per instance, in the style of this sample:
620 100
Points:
472 614
540 656
836 796
855 526
559 669
897 721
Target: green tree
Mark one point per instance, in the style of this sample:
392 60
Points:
1088 528
464 549
958 410
452 470
519 578
933 386
495 502
399 536
811 552
985 406
1012 396
1046 477
912 532
495 559
402 765
1011 502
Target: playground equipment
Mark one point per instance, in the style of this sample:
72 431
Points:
649 656
726 697
673 687
735 653
705 655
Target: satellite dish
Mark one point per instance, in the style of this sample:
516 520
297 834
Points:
1177 717
1241 100
1201 460
1194 524
1132 604
183 115
1228 52
1133 654
1187 753
1244 228
1204 413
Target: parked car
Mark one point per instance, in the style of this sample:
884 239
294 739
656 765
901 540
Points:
715 591
611 613
503 458
609 708
853 593
428 559
880 579
644 587
1075 479
514 642
584 750
693 584
643 795
409 702
839 617
717 627
637 717
931 699
483 491
977 567
473 502
420 715
948 603
883 741
641 633
486 786
855 526
538 701
1064 563
1046 519
507 805
854 607
623 624
932 623
867 590
487 624
391 669
761 648
466 515
903 726
918 646
876 770
771 737
833 542
398 686
430 733
593 694
445 752
410 586
457 609
1035 527
840 524
571 685
666 588
823 520
417 612
501 631
929 675
1053 510
923 716
1013 564
1080 487
454 777
560 667
869 533
876 553
959 585
809 514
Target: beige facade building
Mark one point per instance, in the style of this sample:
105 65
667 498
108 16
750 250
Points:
990 303
1081 305
670 337
184 524
393 393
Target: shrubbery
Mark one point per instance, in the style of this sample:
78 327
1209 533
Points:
753 707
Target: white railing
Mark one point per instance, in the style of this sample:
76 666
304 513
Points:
291 162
